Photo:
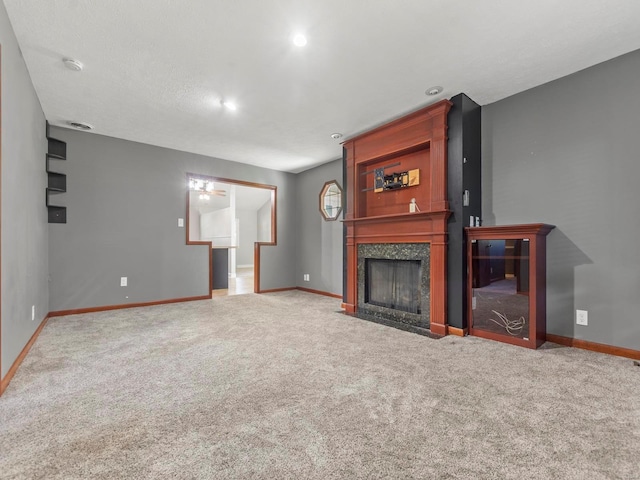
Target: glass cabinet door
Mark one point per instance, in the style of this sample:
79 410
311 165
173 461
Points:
500 287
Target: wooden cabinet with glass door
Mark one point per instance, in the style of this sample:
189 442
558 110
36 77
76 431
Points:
507 283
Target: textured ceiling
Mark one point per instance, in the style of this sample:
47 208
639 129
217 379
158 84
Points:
156 70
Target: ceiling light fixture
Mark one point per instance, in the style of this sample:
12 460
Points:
299 40
205 188
336 135
80 125
74 65
229 105
433 91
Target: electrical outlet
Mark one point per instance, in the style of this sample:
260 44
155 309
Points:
582 317
33 312
306 277
123 281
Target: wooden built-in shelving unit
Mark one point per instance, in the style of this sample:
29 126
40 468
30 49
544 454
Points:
417 141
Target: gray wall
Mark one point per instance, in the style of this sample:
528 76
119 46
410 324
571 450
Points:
24 215
194 223
124 199
319 242
264 222
248 235
566 153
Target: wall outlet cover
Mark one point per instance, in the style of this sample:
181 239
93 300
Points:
582 317
123 281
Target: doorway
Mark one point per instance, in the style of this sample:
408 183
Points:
235 219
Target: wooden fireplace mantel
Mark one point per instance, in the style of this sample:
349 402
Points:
398 217
416 141
415 227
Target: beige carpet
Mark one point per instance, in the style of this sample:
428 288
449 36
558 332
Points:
283 386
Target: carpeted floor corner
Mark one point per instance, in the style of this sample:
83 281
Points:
284 386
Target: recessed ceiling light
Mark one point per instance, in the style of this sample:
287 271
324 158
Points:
336 135
80 125
433 91
71 64
299 40
229 105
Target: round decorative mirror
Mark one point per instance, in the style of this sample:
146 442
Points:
331 200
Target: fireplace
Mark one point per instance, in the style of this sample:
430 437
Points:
393 282
386 223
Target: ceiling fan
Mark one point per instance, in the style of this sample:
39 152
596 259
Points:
205 188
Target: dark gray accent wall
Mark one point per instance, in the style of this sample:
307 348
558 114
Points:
123 203
566 153
464 172
319 242
24 215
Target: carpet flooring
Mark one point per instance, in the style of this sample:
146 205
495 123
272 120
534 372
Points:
284 386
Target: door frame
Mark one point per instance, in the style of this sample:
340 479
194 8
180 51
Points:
257 245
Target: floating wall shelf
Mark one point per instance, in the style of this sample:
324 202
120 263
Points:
56 182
